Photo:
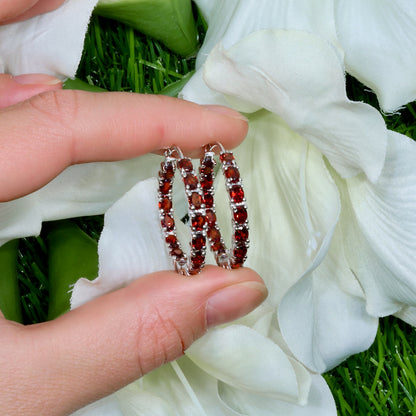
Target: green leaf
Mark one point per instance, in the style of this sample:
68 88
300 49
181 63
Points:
9 289
170 21
72 255
176 87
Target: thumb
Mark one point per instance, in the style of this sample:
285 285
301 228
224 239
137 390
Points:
22 87
111 341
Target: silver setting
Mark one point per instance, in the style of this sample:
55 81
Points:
227 258
184 264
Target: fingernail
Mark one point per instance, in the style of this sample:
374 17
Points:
32 79
233 302
229 112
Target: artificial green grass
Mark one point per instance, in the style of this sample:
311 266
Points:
382 380
117 58
378 382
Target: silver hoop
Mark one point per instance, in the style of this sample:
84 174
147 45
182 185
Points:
234 257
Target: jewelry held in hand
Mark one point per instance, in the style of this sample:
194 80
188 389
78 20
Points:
201 210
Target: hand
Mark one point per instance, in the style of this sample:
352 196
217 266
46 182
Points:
73 357
16 10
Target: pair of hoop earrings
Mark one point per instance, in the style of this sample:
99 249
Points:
201 209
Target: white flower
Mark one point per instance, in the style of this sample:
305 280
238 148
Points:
376 36
42 44
331 196
51 43
330 191
236 369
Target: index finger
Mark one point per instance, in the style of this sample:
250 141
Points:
15 10
42 136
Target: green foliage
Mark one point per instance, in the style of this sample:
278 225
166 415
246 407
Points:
9 288
118 58
33 280
72 254
169 21
377 382
382 380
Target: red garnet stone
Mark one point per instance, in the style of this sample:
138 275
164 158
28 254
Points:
198 222
237 193
240 215
226 157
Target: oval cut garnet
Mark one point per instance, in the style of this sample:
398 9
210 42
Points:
239 252
177 252
197 260
206 182
214 234
185 164
226 157
240 215
198 242
205 170
237 193
209 200
198 222
167 171
208 162
241 234
191 181
164 187
216 246
171 240
196 200
165 204
168 222
232 174
211 218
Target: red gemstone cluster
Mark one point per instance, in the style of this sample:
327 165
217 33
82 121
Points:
183 264
201 210
237 254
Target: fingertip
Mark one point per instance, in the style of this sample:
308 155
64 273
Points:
228 277
36 79
226 111
226 125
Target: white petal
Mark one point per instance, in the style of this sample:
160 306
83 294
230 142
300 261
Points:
320 402
321 323
51 43
130 245
19 218
91 188
407 314
80 190
241 357
293 203
378 37
307 89
232 20
135 400
197 91
108 406
186 387
380 230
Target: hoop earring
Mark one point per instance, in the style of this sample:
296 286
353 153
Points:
237 254
196 209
